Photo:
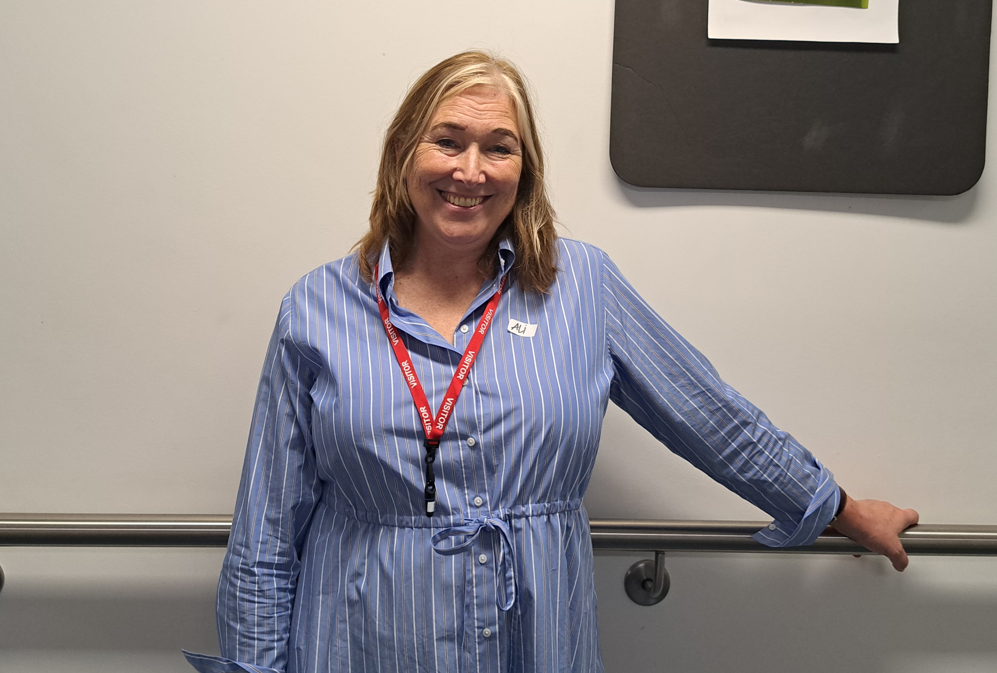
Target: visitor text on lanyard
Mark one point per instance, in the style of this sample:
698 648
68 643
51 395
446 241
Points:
434 426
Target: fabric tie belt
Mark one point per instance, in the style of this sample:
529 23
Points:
470 531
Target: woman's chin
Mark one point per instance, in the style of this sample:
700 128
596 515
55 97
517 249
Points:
460 235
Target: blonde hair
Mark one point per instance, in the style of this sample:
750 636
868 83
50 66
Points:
530 225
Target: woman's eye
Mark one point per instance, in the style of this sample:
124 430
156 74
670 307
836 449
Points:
501 149
446 143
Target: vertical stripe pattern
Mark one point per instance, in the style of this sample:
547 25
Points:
332 563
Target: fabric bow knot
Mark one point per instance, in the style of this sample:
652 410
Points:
470 531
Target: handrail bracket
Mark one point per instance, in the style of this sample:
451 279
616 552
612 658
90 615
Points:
647 582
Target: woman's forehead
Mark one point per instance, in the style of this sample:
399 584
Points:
481 106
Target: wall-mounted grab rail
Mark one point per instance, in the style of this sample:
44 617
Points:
114 530
209 530
646 581
735 536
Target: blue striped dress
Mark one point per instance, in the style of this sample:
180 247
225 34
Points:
332 564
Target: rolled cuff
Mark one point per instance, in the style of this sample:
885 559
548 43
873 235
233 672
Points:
208 664
818 515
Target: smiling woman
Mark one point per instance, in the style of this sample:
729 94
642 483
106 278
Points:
463 178
482 100
372 534
462 183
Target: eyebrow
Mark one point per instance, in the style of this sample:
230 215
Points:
458 127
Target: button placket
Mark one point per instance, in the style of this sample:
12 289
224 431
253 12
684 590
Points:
477 484
486 571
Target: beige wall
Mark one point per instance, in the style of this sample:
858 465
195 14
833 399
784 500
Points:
168 169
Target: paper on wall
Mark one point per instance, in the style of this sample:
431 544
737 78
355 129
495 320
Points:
862 4
750 20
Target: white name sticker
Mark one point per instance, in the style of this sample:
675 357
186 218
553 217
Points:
521 328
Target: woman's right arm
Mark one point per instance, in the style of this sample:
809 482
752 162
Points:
277 494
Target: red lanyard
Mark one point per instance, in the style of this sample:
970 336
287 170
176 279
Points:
434 427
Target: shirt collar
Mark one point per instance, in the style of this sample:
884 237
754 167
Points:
386 273
507 257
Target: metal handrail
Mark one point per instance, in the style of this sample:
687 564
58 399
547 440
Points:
735 536
212 530
114 530
646 581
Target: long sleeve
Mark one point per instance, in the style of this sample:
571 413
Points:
276 497
329 524
671 390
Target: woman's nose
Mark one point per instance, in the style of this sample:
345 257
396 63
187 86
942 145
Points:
469 167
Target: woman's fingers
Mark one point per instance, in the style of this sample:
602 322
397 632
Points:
912 518
876 525
898 556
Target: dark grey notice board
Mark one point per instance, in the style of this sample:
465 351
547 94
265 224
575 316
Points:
690 112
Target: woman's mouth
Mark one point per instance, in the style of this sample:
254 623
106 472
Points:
461 201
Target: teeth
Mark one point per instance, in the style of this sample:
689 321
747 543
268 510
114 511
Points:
463 202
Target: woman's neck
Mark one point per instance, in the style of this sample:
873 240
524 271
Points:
439 285
446 272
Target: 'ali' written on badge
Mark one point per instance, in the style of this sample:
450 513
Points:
521 328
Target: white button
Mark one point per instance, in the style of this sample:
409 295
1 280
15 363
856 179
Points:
466 382
486 632
463 329
478 501
771 526
482 559
470 441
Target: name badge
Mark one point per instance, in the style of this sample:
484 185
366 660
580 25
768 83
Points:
522 329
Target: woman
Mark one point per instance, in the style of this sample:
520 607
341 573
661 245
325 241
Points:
373 532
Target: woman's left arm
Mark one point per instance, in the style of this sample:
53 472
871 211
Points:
674 392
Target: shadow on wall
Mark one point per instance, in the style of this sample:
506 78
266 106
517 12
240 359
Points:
743 613
45 621
762 614
941 209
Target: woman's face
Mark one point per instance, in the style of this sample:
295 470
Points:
465 171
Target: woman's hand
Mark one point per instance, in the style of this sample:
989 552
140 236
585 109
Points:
876 525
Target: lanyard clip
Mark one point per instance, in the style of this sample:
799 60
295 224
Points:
430 493
430 499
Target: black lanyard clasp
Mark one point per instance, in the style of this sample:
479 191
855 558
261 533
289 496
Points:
431 446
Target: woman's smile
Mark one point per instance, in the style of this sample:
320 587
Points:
465 202
465 171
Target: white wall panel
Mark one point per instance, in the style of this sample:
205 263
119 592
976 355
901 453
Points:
168 169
